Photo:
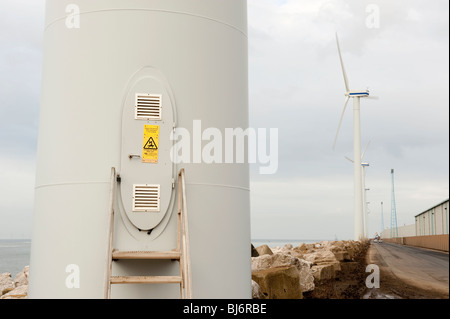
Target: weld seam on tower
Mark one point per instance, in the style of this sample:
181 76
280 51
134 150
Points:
153 10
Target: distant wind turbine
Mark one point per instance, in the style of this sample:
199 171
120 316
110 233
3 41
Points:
356 95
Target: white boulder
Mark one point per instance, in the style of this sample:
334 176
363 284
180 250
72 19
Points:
6 283
303 267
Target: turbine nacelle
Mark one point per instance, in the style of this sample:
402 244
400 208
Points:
355 93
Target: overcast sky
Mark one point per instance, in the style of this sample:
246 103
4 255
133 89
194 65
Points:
400 54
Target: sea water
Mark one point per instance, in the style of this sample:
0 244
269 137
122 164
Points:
14 255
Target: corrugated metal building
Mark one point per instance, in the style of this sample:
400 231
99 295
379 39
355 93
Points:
433 221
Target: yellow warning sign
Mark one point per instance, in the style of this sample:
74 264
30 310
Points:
150 144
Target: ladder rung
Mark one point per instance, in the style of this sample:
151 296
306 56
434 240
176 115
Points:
145 279
146 255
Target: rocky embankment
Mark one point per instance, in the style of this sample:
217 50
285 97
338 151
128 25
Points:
328 269
14 288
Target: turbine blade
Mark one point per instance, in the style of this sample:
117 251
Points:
348 159
340 121
365 150
342 65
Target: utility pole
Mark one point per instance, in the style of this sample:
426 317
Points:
394 229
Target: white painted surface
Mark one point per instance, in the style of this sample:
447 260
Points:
200 48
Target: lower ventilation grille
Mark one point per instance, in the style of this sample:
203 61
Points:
146 198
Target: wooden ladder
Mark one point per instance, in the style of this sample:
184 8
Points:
181 254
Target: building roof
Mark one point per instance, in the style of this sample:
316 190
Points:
432 207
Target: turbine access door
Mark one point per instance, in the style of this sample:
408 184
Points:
147 171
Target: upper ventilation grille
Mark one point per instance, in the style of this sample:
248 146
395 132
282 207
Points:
148 106
146 198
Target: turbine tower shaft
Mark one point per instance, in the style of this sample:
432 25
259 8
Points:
358 195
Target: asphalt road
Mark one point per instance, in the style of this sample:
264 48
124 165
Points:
425 269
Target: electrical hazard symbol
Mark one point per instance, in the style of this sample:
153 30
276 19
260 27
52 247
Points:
150 144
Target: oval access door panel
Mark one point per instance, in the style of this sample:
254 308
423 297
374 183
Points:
147 171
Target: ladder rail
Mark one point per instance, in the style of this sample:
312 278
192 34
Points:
108 271
179 237
186 264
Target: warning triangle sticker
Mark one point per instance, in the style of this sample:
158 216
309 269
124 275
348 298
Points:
150 145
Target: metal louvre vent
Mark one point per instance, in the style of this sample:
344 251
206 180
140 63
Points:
146 198
148 106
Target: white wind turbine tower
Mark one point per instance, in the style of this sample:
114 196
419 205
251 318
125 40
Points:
356 95
364 190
